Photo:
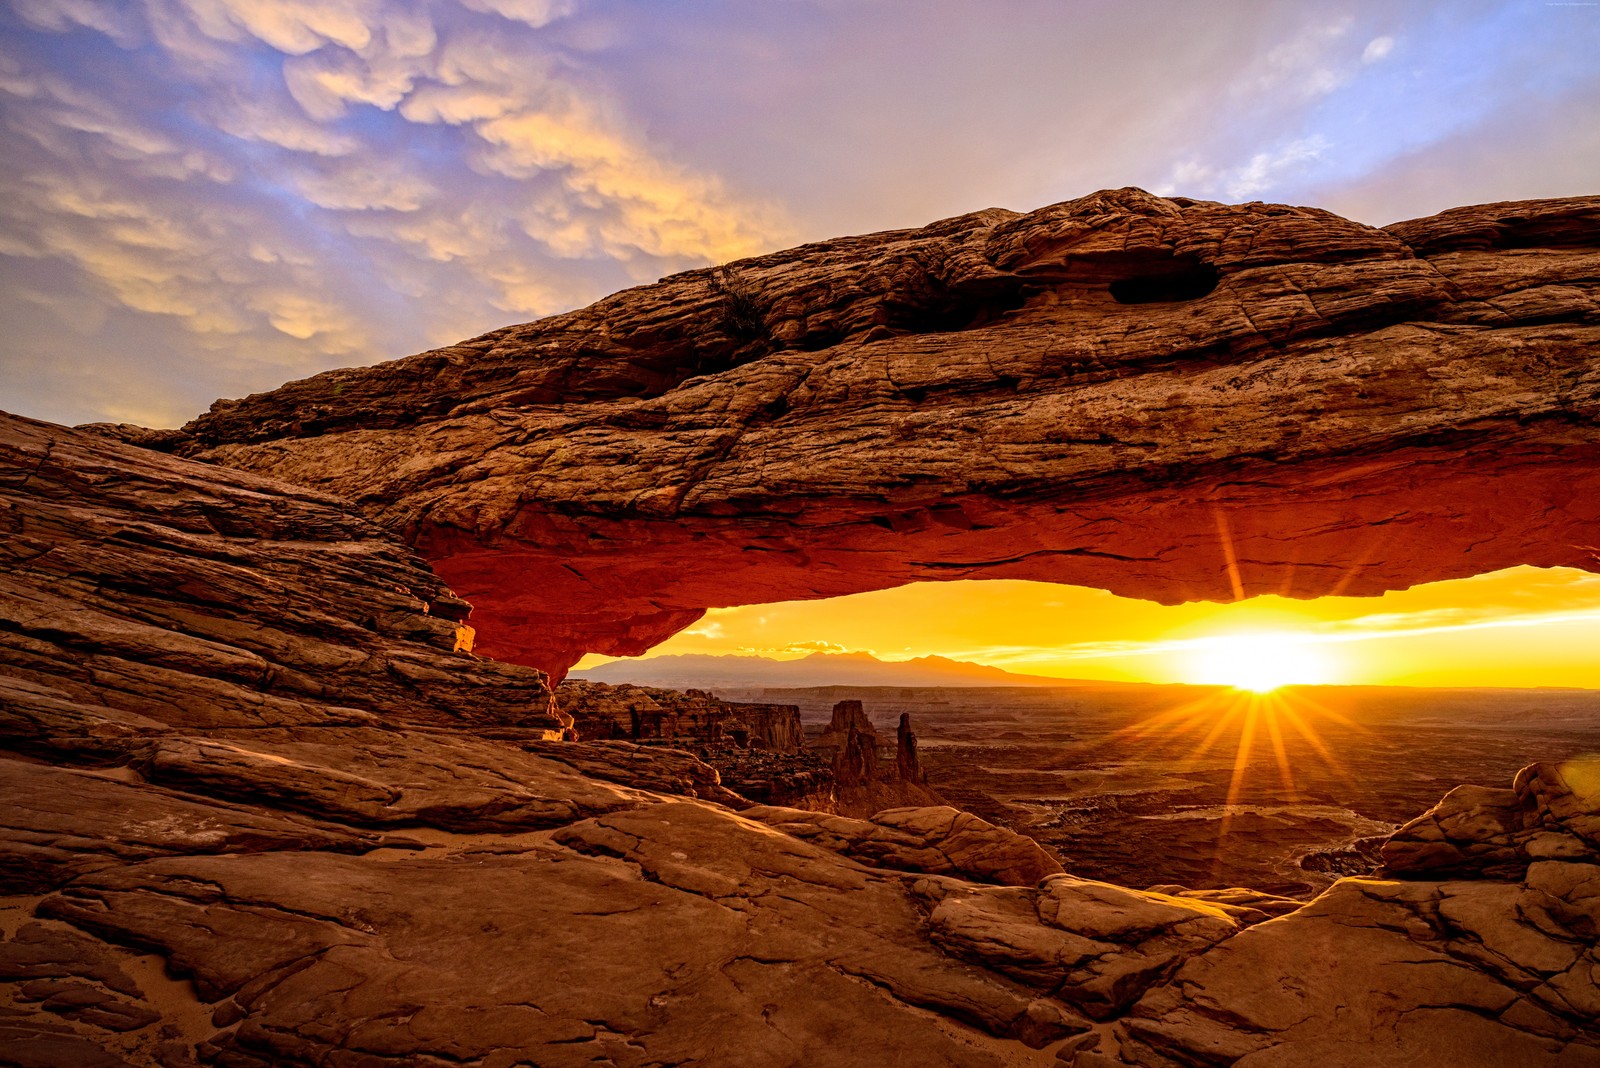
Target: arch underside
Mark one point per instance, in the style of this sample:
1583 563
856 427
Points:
1345 529
1168 399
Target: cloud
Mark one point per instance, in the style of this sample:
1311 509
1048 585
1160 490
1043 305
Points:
535 13
1260 173
271 123
364 185
59 16
814 647
1310 63
259 189
294 27
711 630
290 185
1379 627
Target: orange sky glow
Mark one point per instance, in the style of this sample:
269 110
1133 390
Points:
1524 626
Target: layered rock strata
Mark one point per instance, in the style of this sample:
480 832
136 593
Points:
693 717
265 807
1167 398
217 689
140 592
868 774
231 836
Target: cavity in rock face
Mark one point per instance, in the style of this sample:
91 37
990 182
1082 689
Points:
1166 398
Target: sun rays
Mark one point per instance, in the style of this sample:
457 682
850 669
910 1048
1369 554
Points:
1277 744
1254 723
1260 662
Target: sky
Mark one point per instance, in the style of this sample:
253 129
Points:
1525 626
206 198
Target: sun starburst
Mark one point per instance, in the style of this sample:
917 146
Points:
1258 661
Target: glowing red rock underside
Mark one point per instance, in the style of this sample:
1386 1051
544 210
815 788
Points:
1168 399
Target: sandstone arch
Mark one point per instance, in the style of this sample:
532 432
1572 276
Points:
1165 398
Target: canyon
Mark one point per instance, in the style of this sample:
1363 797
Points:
288 779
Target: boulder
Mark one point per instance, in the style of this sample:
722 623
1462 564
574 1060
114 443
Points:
1551 812
934 839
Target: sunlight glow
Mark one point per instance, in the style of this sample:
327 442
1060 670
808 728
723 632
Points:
1257 661
1525 626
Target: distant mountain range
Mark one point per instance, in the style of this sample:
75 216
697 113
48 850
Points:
705 672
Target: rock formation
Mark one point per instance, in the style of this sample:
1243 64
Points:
907 764
263 805
867 775
260 806
1500 970
692 717
1166 398
937 840
1551 812
139 592
852 742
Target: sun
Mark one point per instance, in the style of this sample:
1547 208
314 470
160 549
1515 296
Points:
1261 661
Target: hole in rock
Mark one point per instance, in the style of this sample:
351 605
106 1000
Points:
935 308
1185 279
1052 709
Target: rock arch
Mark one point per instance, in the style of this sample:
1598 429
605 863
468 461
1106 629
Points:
1166 398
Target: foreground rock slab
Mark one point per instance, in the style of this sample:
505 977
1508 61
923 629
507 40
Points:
140 592
1384 972
937 840
667 935
1551 811
1471 971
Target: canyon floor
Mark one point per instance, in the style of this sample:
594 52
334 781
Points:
1137 785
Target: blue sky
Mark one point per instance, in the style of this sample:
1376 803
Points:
204 198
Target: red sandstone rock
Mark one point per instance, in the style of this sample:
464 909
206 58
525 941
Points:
140 592
647 713
1551 812
935 840
908 766
239 641
1169 399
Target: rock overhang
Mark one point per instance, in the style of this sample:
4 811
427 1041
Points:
1166 398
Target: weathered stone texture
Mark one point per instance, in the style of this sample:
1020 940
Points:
263 807
1169 399
648 713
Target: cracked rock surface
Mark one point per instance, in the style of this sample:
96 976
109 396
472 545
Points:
207 865
936 839
1169 399
261 804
